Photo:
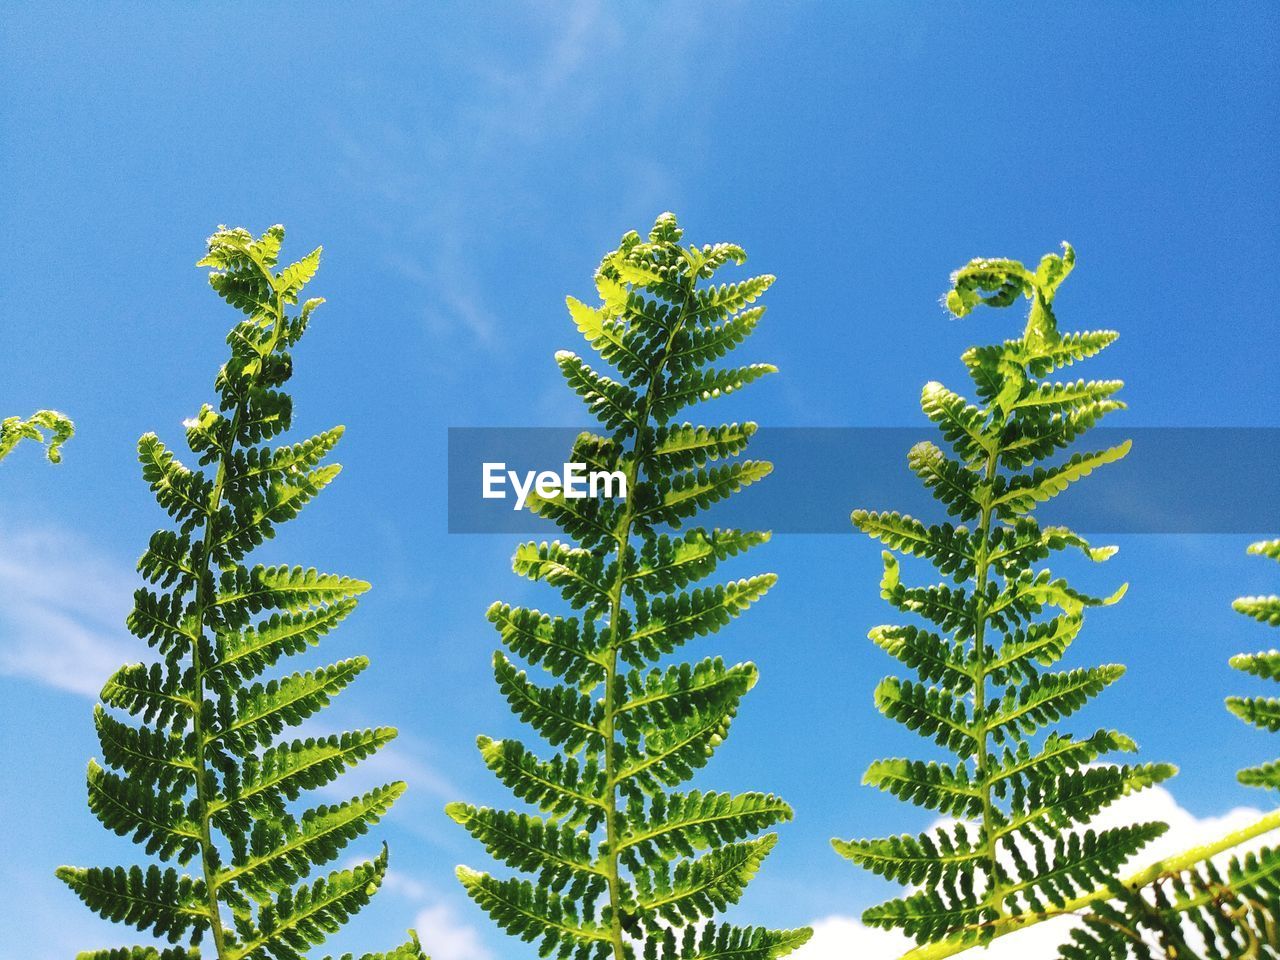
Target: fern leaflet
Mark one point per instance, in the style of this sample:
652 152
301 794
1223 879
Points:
13 430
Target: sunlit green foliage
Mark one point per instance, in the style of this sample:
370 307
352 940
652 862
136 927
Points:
1260 711
622 865
202 774
1192 907
987 639
13 430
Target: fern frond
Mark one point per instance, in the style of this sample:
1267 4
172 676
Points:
566 647
1204 909
564 717
611 402
561 787
697 385
623 865
922 859
668 622
247 653
193 768
674 498
1022 493
303 917
1198 904
1022 789
1263 609
950 481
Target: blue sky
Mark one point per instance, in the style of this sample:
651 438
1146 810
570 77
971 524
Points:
465 167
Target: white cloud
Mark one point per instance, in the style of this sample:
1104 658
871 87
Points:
402 884
842 938
430 184
62 619
445 937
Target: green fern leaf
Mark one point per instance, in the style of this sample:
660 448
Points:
193 768
701 887
533 912
1023 493
1022 790
410 950
677 824
623 865
697 385
666 564
685 446
159 901
283 853
723 942
154 818
560 855
141 953
693 346
567 648
667 622
1261 712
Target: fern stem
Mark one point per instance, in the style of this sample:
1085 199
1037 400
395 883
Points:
615 618
982 572
610 762
207 848
1178 863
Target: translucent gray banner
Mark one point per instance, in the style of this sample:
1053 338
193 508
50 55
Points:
1175 480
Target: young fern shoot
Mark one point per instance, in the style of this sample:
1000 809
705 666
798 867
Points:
13 430
1019 787
623 866
200 775
1190 906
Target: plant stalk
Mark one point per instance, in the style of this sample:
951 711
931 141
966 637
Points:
623 537
202 602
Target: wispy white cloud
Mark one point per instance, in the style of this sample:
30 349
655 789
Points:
455 290
545 91
841 937
444 934
445 937
62 617
404 885
430 180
